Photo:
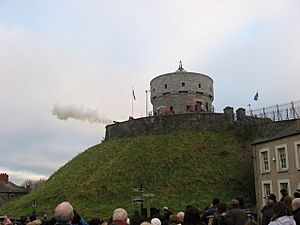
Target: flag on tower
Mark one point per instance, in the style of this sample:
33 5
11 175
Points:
133 95
256 96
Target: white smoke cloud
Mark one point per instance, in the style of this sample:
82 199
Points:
65 112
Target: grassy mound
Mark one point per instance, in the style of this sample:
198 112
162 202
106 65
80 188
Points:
179 168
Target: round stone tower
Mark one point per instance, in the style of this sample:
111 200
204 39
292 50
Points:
181 92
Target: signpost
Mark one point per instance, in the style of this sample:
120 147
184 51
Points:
140 198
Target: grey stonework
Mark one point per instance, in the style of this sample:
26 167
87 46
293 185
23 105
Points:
181 92
204 121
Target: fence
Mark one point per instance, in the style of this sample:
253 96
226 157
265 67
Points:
287 111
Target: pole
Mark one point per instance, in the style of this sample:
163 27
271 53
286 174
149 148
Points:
146 102
132 101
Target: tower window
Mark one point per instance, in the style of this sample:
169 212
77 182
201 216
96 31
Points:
153 90
182 84
199 85
166 86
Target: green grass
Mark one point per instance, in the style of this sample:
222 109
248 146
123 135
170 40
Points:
179 168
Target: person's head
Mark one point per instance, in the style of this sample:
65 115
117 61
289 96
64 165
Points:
273 198
215 201
234 203
269 202
280 209
63 213
119 214
165 209
32 218
297 194
180 216
155 221
283 192
191 216
173 219
296 204
23 219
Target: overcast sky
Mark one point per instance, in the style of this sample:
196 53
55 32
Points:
86 55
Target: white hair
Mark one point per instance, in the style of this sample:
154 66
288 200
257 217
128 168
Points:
120 214
64 212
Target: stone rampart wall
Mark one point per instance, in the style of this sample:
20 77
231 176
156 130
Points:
204 121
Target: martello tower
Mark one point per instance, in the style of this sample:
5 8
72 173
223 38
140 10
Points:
181 92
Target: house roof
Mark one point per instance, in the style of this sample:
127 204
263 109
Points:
10 187
290 131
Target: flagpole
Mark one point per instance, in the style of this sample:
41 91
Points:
132 101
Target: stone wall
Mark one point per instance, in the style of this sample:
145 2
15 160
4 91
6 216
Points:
204 121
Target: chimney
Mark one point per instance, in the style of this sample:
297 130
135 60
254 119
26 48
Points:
4 177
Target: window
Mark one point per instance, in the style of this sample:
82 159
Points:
282 158
199 85
266 188
166 93
264 156
284 184
166 86
297 154
153 90
182 84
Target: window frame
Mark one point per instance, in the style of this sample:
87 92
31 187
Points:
278 161
263 192
261 161
281 181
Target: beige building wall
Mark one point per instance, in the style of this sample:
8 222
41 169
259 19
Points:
268 169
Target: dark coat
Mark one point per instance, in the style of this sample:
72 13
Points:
267 213
296 215
237 216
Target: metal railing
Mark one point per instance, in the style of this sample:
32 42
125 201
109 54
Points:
287 111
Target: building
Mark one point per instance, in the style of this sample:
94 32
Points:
9 190
277 164
181 92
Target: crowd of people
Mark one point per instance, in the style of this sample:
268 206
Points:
284 212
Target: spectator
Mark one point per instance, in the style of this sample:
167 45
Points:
180 216
281 215
34 221
136 219
63 213
273 198
210 212
297 194
221 215
296 210
236 216
166 213
192 216
77 220
119 217
5 221
267 211
285 198
155 221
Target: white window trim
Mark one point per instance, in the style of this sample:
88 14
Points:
278 158
284 181
261 163
297 156
263 182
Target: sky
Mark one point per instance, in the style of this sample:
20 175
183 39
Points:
67 67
